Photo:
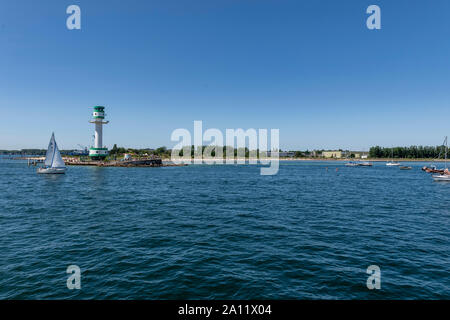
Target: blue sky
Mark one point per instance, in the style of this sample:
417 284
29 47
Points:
309 68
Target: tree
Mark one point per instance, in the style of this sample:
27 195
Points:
411 152
114 149
160 151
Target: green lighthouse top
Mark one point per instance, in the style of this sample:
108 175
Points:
99 112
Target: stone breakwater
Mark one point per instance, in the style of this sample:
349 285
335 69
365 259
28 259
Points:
128 163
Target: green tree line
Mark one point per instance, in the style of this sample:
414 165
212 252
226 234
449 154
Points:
164 152
412 152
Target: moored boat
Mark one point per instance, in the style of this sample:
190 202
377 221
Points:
358 164
441 177
432 169
393 163
445 176
351 164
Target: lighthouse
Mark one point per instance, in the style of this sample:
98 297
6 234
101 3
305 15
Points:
98 152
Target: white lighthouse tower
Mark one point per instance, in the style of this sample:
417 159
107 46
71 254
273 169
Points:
98 152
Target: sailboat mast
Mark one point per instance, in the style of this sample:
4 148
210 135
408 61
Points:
54 149
446 151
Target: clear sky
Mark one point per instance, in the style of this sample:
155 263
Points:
309 68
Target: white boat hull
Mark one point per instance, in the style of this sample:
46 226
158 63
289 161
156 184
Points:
392 164
441 177
351 164
365 164
358 164
51 170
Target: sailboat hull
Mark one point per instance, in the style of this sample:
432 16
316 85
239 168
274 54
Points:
51 170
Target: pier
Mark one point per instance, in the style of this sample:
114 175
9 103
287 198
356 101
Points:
76 161
147 162
35 161
114 163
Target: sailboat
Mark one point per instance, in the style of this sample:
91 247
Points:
53 162
392 163
446 175
433 168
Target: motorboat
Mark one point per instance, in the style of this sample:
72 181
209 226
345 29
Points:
352 164
441 177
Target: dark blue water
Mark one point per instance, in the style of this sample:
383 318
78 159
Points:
224 232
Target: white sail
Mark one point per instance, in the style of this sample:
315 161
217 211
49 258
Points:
53 162
53 157
50 151
57 160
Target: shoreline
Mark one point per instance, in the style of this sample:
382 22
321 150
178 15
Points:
327 160
69 160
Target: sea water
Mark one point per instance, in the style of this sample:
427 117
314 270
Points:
224 232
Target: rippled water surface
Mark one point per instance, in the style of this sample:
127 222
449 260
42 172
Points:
224 232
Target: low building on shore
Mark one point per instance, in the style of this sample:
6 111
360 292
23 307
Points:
357 154
332 154
339 154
